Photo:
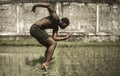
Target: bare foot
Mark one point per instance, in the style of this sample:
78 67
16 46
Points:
44 66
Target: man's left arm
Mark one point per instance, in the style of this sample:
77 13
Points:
56 37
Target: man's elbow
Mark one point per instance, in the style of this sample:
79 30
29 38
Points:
49 5
54 37
43 5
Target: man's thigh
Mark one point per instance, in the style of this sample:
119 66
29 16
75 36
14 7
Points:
49 41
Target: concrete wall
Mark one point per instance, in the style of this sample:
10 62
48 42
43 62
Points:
17 18
110 19
89 19
82 17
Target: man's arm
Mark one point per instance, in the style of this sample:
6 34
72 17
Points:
49 7
57 38
45 5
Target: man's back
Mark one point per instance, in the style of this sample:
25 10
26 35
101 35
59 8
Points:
47 22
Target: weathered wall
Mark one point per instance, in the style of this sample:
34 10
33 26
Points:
110 19
82 17
8 18
16 18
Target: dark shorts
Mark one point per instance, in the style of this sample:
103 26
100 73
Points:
38 33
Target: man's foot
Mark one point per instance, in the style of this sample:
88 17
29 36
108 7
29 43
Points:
46 67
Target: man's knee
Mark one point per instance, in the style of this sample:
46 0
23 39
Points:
51 42
54 43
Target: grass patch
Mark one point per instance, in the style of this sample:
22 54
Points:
69 59
33 42
28 42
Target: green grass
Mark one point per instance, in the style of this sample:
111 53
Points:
27 42
33 42
69 59
89 61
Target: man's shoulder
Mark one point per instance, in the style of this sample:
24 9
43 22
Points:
56 28
52 18
48 17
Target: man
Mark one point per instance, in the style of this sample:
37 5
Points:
37 30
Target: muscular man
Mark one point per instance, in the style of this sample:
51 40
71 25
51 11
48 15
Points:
37 30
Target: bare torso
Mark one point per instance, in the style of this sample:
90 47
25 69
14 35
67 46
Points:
47 23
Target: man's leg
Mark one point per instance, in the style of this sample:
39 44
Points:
51 45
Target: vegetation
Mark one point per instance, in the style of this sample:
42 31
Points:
33 42
69 59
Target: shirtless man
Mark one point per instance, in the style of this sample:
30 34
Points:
37 30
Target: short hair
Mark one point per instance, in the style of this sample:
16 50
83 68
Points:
65 20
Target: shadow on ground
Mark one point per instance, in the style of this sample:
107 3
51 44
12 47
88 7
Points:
34 61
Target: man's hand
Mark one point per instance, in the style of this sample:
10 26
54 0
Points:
69 34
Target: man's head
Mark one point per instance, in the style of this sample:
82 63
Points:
64 23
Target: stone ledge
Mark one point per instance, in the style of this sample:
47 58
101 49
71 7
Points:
84 38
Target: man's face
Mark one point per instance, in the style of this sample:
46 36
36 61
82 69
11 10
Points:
63 25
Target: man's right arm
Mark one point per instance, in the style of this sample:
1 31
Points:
49 7
45 5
